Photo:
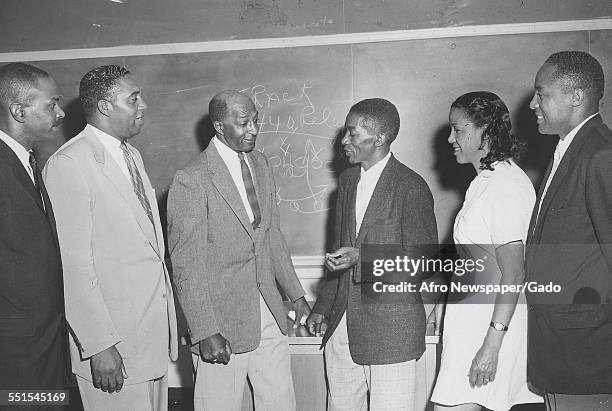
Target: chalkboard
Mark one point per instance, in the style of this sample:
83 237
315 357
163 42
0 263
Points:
68 24
303 95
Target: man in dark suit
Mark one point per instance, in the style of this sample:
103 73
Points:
228 254
32 325
373 344
570 240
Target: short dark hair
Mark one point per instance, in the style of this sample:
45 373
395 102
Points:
217 108
578 69
487 110
378 116
16 79
98 84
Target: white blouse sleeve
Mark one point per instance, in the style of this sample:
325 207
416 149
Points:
509 213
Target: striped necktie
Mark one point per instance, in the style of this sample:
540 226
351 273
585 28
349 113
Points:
250 190
137 181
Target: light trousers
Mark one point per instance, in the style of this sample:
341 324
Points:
268 368
391 386
146 396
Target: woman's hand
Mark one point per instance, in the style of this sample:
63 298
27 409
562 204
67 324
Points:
484 366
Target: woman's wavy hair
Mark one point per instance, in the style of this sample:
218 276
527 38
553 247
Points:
486 109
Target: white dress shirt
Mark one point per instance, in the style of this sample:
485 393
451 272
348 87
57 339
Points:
231 160
22 154
365 188
560 150
113 147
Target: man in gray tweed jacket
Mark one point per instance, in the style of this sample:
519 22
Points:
228 254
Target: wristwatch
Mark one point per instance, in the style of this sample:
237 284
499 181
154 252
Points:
499 326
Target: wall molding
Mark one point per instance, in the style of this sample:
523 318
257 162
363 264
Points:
310 41
309 261
309 269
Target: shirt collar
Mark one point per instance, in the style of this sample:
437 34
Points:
22 154
564 143
226 153
486 173
376 169
106 139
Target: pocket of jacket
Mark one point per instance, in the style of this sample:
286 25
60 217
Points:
17 326
564 212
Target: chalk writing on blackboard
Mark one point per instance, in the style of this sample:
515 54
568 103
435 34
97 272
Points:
299 136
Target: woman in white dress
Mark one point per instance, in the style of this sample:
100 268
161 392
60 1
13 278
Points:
484 351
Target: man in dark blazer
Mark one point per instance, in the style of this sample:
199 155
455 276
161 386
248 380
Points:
569 246
228 254
373 344
32 325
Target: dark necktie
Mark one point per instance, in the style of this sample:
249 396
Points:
250 190
137 181
34 167
36 174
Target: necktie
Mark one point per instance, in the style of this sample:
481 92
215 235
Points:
36 174
250 189
34 167
137 181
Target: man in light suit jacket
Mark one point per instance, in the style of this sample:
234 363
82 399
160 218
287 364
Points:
373 344
570 240
119 301
228 254
33 339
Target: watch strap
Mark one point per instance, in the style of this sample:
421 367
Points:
498 326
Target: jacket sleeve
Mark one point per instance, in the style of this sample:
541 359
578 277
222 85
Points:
329 286
86 309
187 243
280 255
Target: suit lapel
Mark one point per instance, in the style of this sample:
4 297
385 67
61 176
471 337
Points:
379 198
351 206
20 173
259 178
150 193
555 183
118 180
534 213
48 206
223 182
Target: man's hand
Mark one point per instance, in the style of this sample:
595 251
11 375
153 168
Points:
342 258
302 311
215 349
316 324
107 370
